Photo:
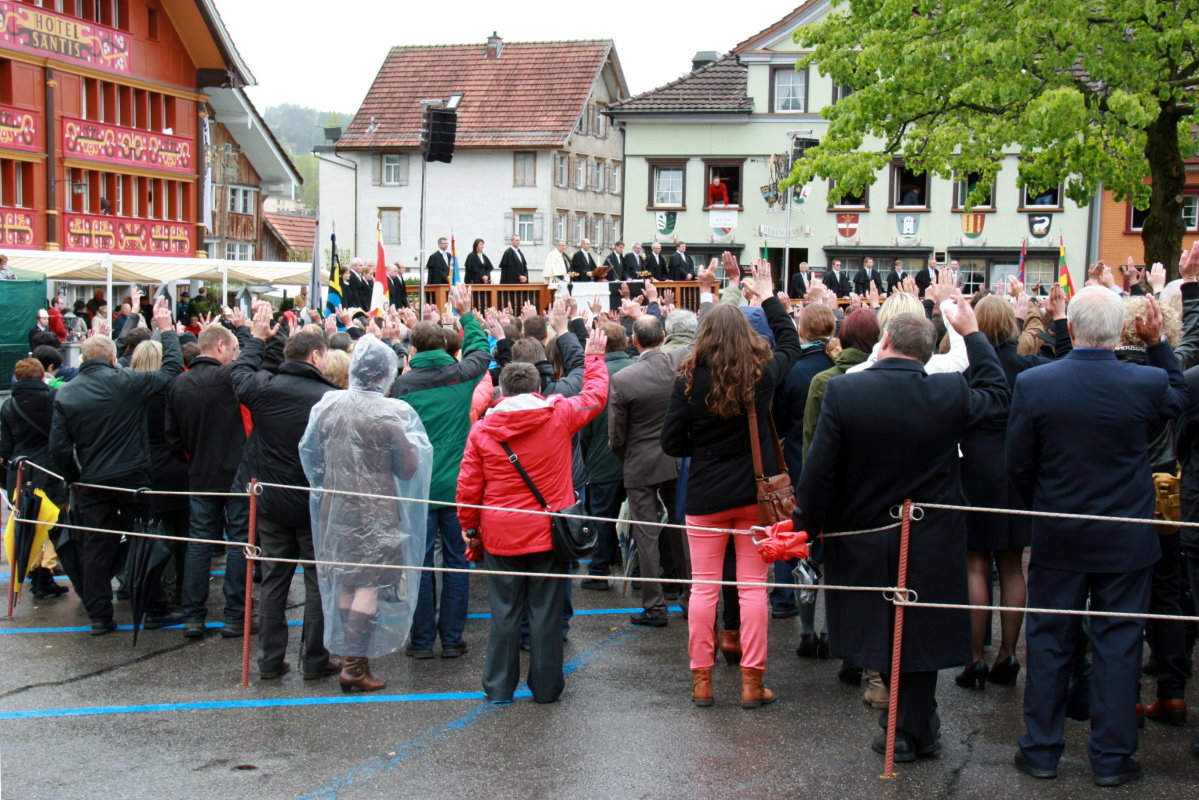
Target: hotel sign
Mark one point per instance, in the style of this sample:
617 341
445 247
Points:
20 129
114 234
18 227
126 147
44 33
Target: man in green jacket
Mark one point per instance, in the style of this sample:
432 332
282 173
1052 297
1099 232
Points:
440 388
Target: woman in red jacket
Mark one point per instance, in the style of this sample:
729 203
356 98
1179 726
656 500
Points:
539 430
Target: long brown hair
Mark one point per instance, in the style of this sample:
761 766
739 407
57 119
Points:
733 354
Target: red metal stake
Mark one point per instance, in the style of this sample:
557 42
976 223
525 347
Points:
897 641
248 617
14 508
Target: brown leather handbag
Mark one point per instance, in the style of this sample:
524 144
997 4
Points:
776 496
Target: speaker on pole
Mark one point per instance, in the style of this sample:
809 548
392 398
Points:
437 134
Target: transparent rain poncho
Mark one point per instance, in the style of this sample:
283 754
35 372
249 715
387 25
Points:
360 441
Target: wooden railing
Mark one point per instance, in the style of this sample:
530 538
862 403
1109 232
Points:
493 295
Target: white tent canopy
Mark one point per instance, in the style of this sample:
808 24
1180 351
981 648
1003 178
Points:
90 268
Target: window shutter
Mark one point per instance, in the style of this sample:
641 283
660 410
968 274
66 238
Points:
538 228
404 169
377 169
509 225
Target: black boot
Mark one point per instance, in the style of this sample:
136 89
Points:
43 585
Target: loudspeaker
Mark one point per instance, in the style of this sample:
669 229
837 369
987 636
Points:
437 134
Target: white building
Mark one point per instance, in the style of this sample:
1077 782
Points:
534 154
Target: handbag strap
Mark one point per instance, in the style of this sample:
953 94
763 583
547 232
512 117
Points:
528 481
28 419
755 445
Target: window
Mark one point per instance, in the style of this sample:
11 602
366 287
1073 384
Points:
562 170
524 225
581 173
239 251
983 272
241 199
560 232
616 232
908 190
962 188
617 176
152 24
574 231
667 184
601 124
840 92
790 90
524 169
597 175
395 169
1190 214
390 219
729 174
848 199
591 229
1040 200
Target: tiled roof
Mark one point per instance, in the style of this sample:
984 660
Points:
717 87
296 231
779 27
531 96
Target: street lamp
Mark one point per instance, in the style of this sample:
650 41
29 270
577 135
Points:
791 137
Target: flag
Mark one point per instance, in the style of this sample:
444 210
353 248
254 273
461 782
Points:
333 301
454 279
1063 273
1023 253
379 294
314 280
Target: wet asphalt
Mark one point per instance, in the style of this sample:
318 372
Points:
624 727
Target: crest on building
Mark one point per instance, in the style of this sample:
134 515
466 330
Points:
1038 225
908 224
847 225
972 225
665 221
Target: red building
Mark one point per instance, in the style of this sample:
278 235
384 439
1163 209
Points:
104 122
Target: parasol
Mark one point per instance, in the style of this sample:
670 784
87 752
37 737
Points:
146 557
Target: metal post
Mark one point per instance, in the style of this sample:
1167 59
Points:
248 615
224 287
420 263
897 641
108 298
14 508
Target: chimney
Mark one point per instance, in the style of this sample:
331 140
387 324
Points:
495 45
703 58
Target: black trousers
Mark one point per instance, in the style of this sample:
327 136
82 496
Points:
1167 639
603 500
100 554
280 541
917 716
509 595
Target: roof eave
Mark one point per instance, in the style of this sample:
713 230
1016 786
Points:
238 68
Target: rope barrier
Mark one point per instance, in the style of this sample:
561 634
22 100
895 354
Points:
1019 512
161 492
1070 612
141 534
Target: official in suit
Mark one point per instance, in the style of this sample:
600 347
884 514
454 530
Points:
656 263
513 266
682 268
1077 442
896 275
637 402
926 277
582 263
797 287
440 264
397 289
866 276
356 291
478 265
634 264
837 281
556 269
615 264
850 483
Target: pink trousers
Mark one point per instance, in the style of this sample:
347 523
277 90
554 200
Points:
707 561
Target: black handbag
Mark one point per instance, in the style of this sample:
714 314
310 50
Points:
573 538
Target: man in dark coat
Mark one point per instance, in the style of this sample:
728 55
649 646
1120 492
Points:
896 275
582 263
397 289
634 264
1090 457
440 264
836 281
98 435
850 483
682 268
615 264
514 267
797 287
656 264
926 276
279 408
866 276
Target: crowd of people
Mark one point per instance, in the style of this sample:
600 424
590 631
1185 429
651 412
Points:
421 436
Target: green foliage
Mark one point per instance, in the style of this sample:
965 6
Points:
300 129
953 85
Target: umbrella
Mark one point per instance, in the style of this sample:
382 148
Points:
23 541
64 542
781 541
146 557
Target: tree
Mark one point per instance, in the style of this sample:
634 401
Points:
1092 94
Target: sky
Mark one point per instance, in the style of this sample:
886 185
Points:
326 56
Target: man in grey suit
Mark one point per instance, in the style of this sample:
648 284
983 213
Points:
637 400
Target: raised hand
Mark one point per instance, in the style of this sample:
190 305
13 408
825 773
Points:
1188 264
908 286
624 290
1148 326
330 325
262 328
649 291
408 317
816 290
162 314
491 322
597 343
595 307
961 316
667 296
1014 286
855 302
1157 277
1021 306
1057 302
460 298
872 296
528 310
707 277
429 313
732 269
630 309
558 318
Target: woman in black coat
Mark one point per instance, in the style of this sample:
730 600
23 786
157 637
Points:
1001 536
729 367
478 265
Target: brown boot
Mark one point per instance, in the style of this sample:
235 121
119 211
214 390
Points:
701 692
357 672
876 695
730 646
753 693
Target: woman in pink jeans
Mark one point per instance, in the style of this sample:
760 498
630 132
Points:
730 366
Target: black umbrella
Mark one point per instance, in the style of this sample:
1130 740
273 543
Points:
27 507
146 557
64 541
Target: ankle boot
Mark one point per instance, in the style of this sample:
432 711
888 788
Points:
753 693
356 672
730 646
701 691
42 584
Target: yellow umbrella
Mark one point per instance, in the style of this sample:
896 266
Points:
20 548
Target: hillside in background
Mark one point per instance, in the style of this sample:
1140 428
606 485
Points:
300 129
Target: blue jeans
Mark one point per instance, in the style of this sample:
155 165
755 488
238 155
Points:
215 519
783 599
448 618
